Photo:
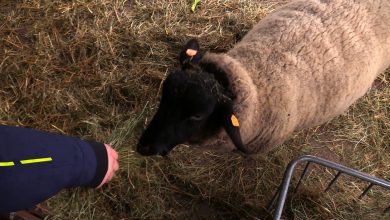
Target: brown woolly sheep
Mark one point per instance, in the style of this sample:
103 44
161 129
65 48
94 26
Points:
300 66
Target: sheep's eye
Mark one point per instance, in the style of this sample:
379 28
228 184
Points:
196 117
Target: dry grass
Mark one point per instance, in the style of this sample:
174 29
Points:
94 68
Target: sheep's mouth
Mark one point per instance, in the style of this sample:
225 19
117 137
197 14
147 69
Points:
163 153
194 142
197 139
150 149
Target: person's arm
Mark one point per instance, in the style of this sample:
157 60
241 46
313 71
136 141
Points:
36 165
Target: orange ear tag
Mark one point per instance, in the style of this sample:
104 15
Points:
191 52
234 121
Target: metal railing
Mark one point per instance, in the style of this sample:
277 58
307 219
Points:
281 194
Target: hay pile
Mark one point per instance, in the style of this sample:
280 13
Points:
94 69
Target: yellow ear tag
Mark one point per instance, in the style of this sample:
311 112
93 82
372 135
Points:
191 52
234 121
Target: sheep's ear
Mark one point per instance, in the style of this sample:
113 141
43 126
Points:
232 127
190 53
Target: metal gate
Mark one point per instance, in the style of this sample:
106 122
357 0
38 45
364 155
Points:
281 194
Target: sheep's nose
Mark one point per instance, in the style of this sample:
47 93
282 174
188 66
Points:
163 153
144 150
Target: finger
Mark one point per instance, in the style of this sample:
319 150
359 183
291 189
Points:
110 176
115 166
112 151
116 156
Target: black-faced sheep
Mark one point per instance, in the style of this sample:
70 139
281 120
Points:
300 66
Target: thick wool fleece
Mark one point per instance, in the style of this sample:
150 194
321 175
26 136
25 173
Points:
302 65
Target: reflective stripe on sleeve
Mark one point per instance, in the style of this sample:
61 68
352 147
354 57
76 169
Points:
7 164
36 160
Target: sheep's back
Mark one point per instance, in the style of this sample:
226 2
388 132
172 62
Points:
312 59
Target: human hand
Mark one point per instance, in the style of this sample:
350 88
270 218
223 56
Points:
113 164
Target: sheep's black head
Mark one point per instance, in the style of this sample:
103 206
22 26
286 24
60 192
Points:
195 104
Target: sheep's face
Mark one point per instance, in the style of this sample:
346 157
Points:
194 106
187 109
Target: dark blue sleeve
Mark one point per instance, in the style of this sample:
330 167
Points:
36 165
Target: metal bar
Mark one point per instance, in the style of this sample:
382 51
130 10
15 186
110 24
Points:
290 168
366 190
333 181
302 176
272 203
